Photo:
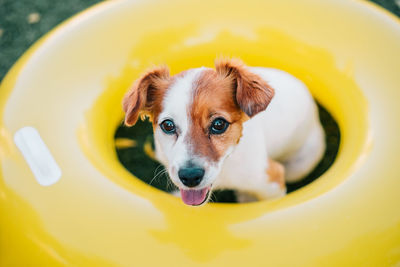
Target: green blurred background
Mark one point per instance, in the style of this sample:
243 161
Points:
22 22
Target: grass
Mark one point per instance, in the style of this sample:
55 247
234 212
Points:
22 22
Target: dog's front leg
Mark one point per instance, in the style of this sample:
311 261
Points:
272 186
276 173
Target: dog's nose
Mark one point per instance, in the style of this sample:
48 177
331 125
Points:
191 176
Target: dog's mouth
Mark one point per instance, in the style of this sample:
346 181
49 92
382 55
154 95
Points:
195 197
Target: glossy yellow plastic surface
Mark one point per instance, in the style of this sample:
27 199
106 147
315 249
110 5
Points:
69 87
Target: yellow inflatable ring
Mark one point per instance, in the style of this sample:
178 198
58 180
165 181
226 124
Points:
73 203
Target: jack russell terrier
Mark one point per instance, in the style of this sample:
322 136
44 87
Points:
213 130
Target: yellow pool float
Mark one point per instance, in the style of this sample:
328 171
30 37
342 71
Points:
65 199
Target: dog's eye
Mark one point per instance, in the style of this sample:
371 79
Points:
168 127
219 126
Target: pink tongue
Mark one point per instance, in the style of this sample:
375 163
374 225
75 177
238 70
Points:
194 197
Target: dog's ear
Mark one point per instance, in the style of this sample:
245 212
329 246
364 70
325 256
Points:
253 94
141 96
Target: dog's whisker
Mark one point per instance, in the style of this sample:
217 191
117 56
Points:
160 173
170 185
156 169
212 198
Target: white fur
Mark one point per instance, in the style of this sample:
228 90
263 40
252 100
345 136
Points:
172 150
288 131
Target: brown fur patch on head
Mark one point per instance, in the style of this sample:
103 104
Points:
214 98
253 94
146 94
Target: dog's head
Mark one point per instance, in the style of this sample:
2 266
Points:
197 118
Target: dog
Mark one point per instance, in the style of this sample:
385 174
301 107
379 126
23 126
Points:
249 129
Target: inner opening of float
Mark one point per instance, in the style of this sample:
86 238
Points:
135 150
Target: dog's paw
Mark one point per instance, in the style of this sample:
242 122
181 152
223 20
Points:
276 173
275 190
